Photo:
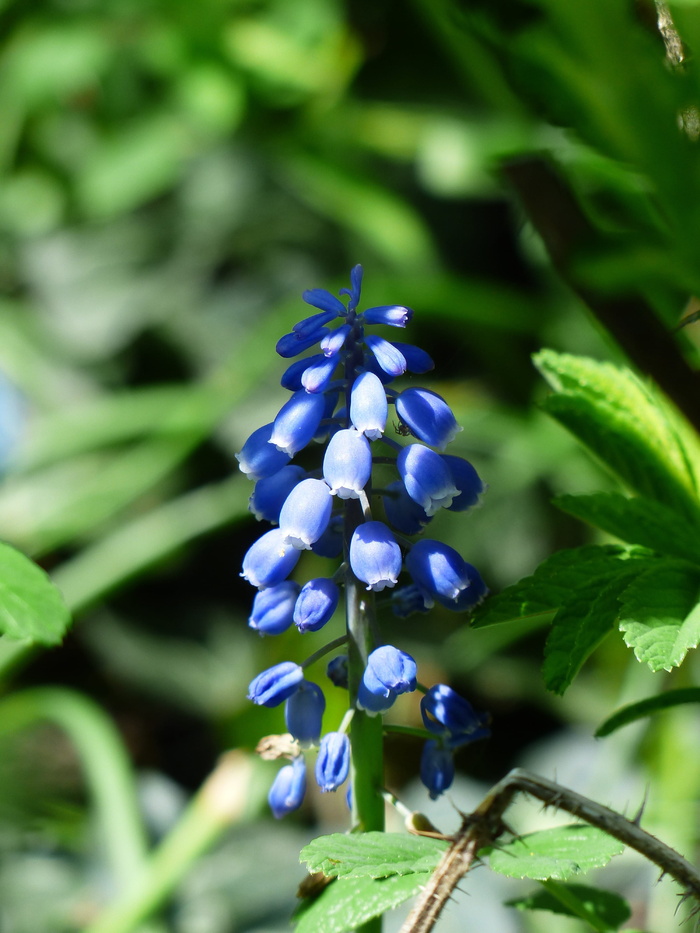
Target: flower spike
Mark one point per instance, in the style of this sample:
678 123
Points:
333 504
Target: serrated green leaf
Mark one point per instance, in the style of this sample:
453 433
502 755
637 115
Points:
638 520
660 614
562 853
373 855
552 584
580 626
628 425
31 608
647 707
605 906
349 902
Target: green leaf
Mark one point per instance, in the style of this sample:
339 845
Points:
632 428
562 853
349 902
638 521
579 627
31 608
660 615
373 855
647 707
552 584
605 906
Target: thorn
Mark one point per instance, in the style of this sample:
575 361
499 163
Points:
637 819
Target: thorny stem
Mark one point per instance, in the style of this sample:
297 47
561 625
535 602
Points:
485 825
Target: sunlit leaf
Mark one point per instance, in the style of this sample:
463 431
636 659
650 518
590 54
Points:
553 584
374 855
630 427
348 902
562 853
660 614
31 608
579 627
638 521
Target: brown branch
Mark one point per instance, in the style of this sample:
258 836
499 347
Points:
485 824
567 235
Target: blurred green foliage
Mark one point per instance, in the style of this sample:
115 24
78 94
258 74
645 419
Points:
173 176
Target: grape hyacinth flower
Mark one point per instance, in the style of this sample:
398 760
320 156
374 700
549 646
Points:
339 381
273 608
288 788
303 713
333 762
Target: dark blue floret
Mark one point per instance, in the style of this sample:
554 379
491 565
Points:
303 713
437 768
293 344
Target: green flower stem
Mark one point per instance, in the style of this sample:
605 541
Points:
107 769
408 730
223 800
566 897
331 646
365 731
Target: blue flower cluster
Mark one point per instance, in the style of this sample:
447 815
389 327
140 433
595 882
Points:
340 397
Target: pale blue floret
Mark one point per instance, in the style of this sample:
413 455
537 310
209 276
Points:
303 713
315 604
333 343
276 684
333 762
306 513
273 608
375 557
269 560
258 458
347 463
368 405
428 416
438 569
427 478
389 672
316 377
297 422
391 360
288 788
394 315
